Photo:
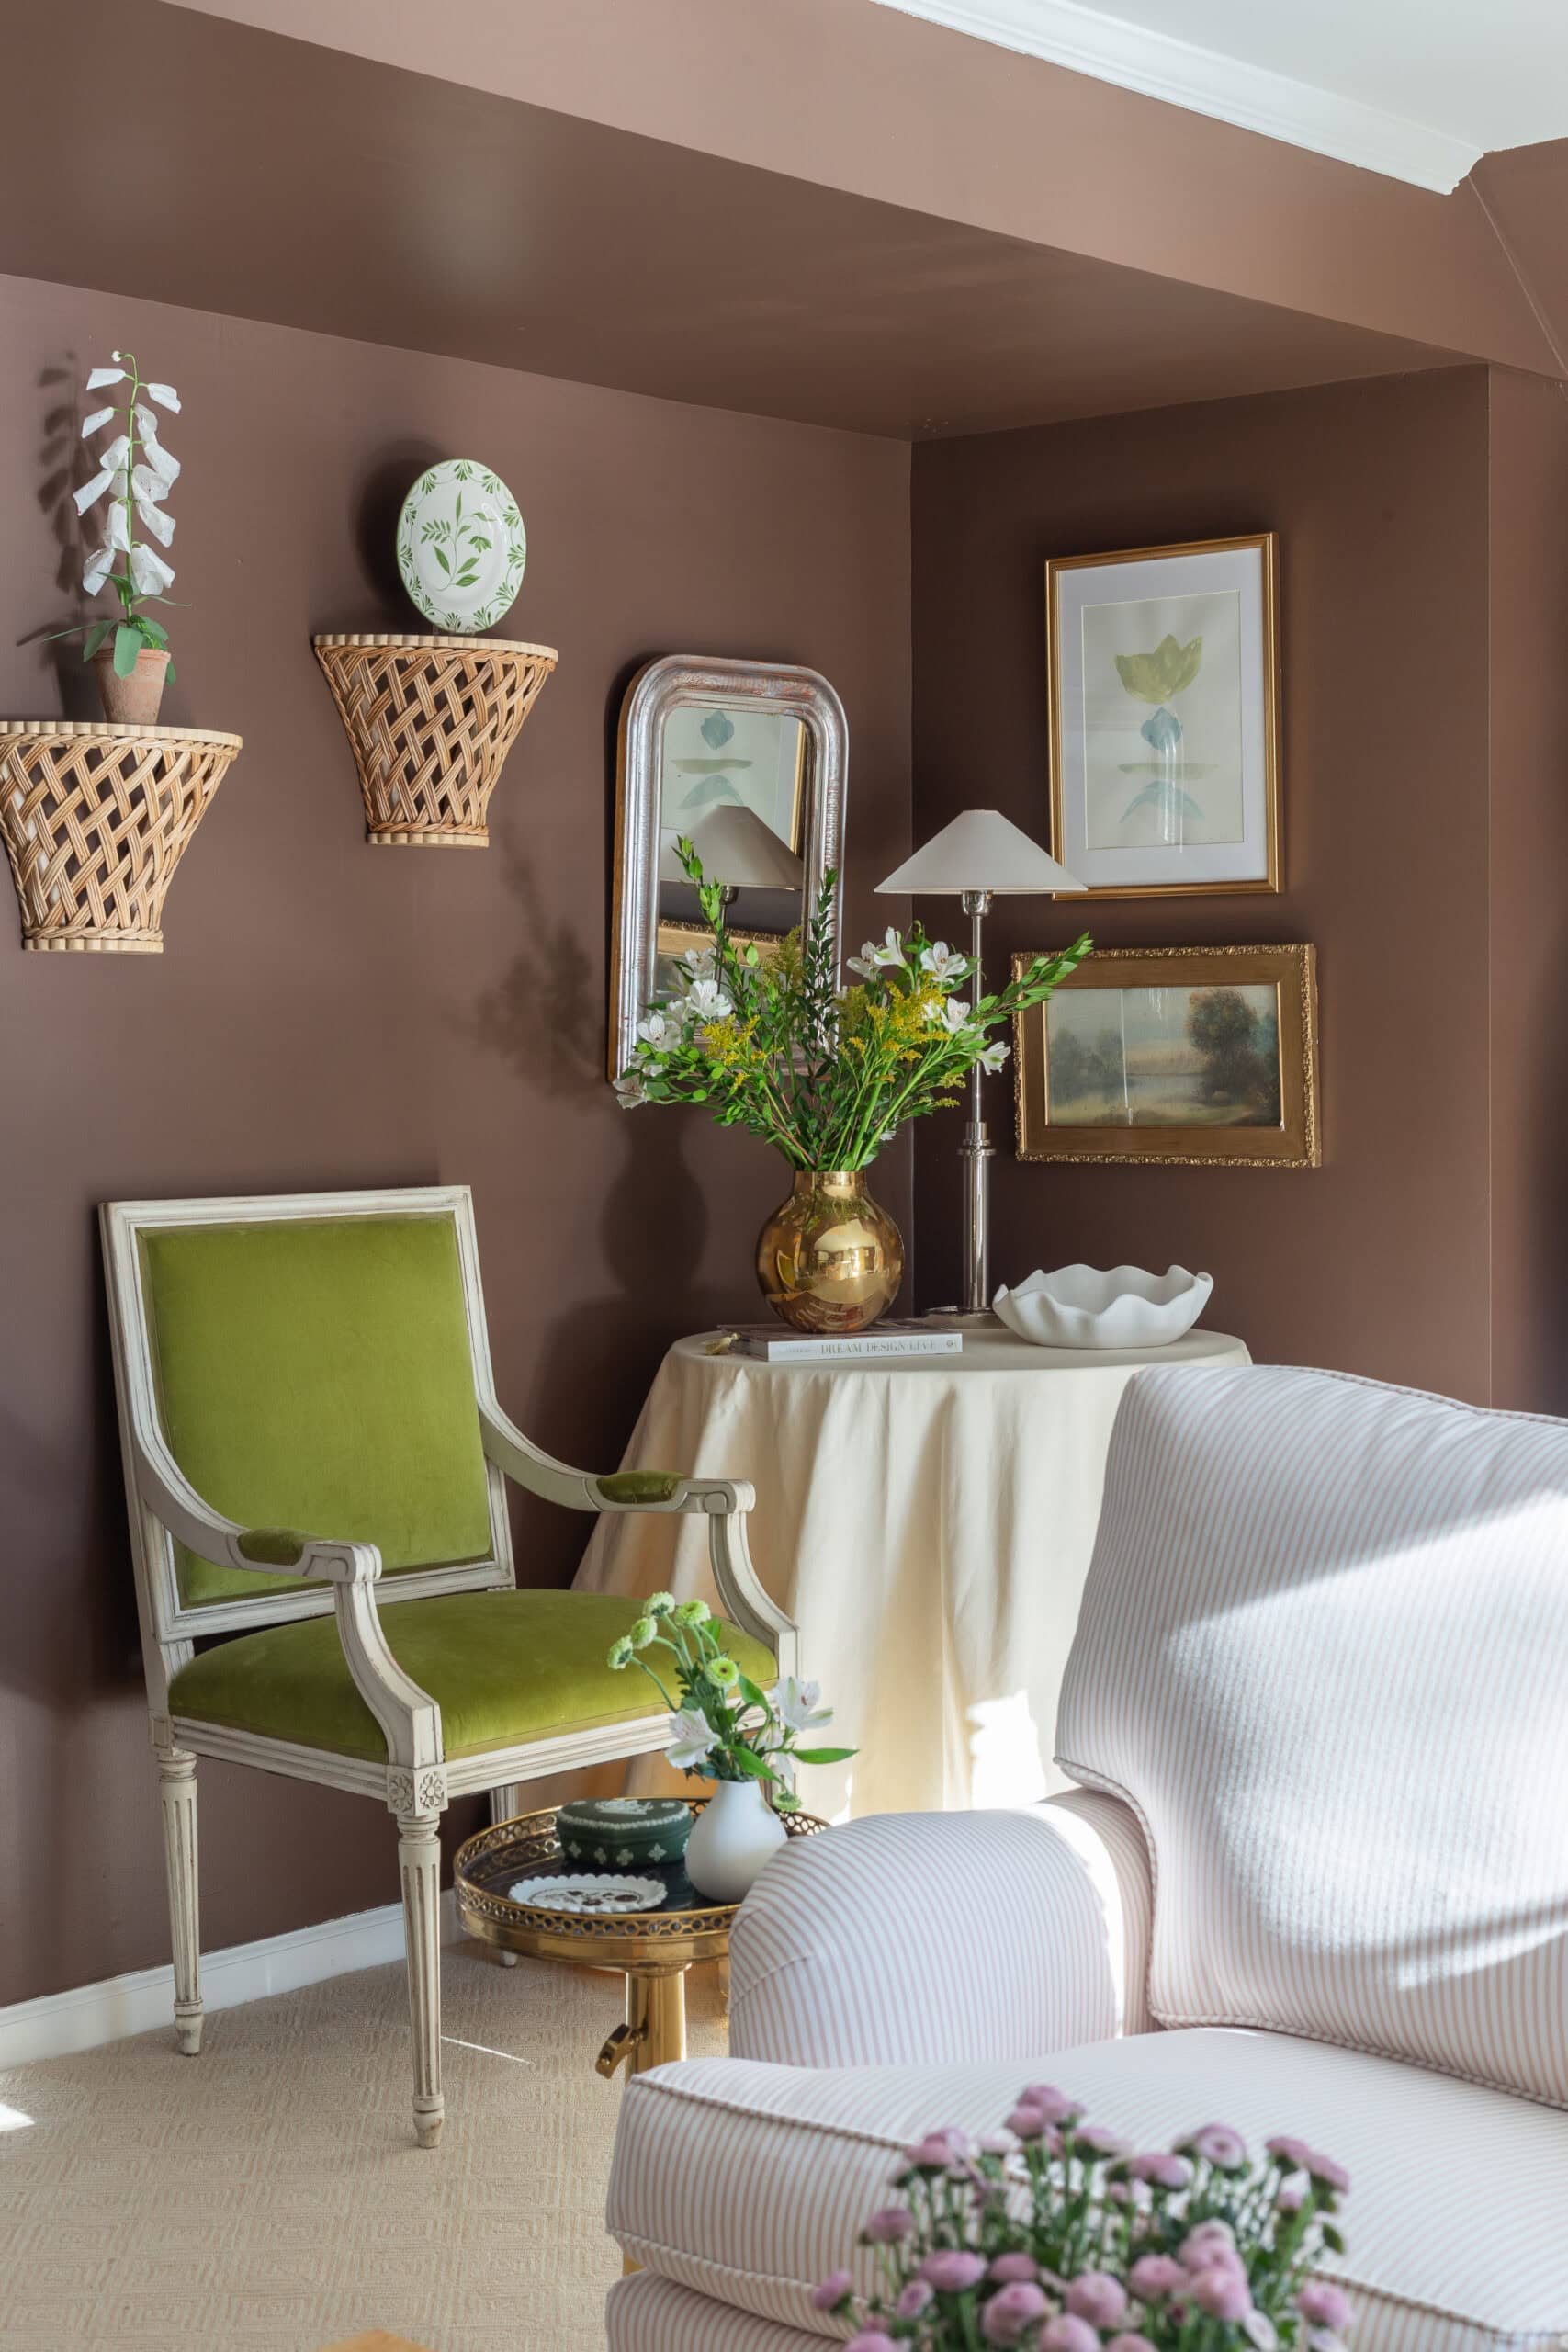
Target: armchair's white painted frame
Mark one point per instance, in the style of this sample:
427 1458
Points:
417 1782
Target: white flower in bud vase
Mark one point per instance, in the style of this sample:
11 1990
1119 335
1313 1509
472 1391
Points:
865 963
942 962
798 1704
994 1056
134 472
890 955
952 1015
629 1087
690 1740
720 1724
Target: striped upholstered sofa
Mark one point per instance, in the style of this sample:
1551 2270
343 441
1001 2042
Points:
1319 1698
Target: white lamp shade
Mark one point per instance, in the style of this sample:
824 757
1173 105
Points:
981 849
739 850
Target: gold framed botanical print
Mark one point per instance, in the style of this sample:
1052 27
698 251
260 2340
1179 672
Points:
1194 1057
1165 718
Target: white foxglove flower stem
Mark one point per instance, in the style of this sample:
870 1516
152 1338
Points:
134 473
91 492
150 575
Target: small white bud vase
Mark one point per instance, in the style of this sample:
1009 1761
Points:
733 1838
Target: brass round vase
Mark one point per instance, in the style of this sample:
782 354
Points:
829 1259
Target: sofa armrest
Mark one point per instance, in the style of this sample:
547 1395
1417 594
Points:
944 1938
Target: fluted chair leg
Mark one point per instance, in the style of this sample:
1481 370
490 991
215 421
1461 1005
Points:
418 1862
176 1790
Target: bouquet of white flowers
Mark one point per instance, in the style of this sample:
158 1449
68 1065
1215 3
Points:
723 1726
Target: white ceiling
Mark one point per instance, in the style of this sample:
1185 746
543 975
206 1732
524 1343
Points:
1416 88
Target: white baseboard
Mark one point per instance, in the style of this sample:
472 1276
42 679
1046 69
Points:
58 2023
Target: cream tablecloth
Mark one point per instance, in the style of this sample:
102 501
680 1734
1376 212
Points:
928 1521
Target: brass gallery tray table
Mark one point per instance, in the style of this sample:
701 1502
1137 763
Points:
652 1950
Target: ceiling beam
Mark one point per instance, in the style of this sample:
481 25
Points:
862 99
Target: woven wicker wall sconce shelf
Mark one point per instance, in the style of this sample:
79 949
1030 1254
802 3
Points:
96 819
430 720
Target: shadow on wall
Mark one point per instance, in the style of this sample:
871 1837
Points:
545 1016
603 1355
387 484
64 464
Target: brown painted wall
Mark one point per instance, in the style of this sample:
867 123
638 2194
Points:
325 1016
1379 1261
1528 938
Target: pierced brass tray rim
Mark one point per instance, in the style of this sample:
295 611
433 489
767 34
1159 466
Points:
481 1910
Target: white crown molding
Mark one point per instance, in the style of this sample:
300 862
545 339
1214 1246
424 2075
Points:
1158 66
57 2024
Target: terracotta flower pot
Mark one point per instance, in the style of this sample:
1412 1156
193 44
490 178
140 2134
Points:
132 701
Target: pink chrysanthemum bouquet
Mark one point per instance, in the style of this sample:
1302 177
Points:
1055 2237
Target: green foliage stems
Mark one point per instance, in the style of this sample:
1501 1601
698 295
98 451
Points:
826 1076
749 1737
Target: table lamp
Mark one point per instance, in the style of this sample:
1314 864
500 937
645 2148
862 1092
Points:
739 853
976 858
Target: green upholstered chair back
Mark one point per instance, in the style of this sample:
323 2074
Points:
315 1364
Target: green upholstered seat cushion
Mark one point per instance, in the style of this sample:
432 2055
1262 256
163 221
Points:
317 1373
502 1667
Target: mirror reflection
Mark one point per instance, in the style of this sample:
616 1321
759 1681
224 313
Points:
733 782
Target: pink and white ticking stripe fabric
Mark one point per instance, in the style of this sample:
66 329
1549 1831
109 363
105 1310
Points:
744 2184
648 2313
1321 1677
945 1936
1324 1653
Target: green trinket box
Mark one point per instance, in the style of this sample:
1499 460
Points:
612 1832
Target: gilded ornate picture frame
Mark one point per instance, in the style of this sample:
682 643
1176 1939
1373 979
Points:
1163 668
1189 1056
674 939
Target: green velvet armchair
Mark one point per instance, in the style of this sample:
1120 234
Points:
315 1468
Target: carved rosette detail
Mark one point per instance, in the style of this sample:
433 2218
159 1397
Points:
422 1791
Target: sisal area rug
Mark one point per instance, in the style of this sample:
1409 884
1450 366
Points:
267 2196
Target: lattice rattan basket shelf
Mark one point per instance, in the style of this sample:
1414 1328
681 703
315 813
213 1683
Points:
96 820
430 720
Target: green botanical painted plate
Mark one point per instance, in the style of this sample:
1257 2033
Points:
461 547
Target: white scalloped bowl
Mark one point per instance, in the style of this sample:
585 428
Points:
1079 1307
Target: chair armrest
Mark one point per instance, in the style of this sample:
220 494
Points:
660 1490
942 1938
260 1551
724 1502
408 1715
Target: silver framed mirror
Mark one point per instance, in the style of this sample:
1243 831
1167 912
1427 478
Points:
750 760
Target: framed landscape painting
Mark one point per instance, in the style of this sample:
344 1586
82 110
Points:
1164 682
1189 1056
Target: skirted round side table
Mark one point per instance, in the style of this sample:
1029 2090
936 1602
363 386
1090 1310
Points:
928 1523
652 1950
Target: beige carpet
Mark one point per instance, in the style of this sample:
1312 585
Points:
267 2196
